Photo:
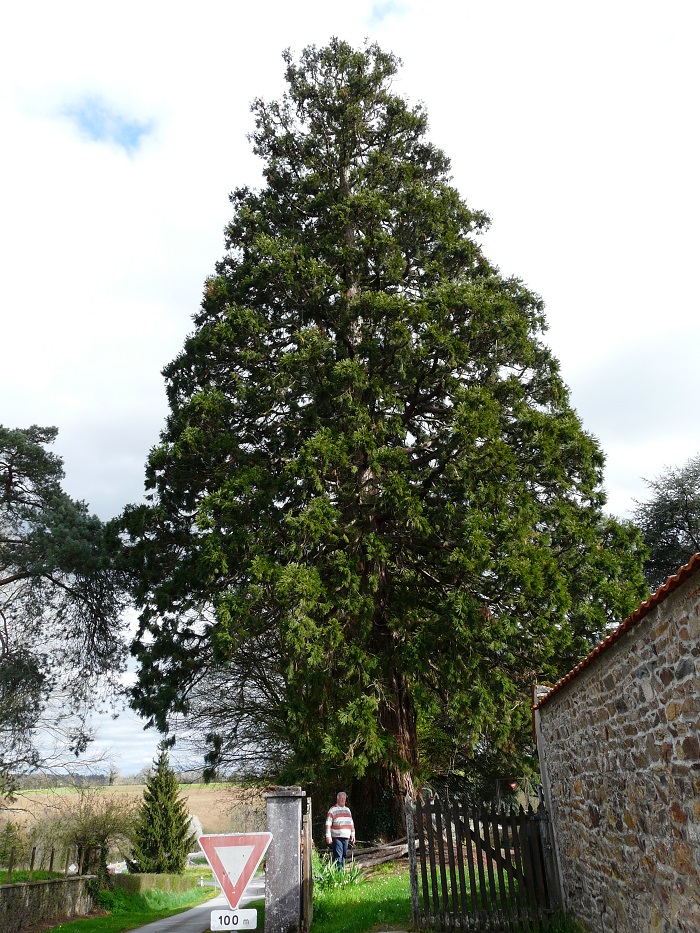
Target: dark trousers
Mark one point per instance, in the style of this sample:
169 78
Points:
339 847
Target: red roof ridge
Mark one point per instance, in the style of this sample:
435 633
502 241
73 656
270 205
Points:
672 584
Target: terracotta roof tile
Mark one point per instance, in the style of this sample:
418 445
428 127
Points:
639 613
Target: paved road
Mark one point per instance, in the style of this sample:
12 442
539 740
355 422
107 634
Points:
197 919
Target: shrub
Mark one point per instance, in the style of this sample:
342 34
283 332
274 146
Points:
327 874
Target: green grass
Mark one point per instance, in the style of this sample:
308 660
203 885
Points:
23 875
128 911
328 875
382 898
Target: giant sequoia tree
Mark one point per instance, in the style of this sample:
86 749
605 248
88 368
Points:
375 520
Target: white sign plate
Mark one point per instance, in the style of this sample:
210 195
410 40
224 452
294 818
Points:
244 919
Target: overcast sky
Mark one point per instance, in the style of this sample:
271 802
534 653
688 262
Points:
573 125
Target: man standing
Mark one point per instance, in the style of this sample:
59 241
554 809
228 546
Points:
340 829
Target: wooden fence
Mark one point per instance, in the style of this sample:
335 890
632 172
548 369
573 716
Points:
86 860
479 869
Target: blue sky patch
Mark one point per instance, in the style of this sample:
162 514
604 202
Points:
101 122
383 9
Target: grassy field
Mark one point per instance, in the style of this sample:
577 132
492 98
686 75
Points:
220 808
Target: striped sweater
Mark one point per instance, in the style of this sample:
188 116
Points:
339 824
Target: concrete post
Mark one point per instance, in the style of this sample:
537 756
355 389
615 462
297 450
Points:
283 877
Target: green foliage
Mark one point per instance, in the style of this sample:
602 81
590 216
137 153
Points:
161 837
131 911
670 521
118 901
13 836
137 884
91 819
327 874
374 515
60 605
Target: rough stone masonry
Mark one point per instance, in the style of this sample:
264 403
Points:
619 741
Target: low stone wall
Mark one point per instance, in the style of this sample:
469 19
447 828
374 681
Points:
619 745
28 903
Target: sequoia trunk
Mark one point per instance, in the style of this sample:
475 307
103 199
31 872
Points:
378 796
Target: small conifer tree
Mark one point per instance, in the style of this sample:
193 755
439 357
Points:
162 837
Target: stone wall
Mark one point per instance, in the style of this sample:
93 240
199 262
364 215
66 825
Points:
23 905
619 743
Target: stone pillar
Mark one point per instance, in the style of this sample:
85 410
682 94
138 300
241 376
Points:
283 876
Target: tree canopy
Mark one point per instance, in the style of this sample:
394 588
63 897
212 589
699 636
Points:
375 519
60 605
670 520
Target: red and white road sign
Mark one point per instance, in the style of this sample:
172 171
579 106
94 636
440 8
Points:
234 858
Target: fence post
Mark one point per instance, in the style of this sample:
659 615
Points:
412 860
550 836
283 877
307 891
545 830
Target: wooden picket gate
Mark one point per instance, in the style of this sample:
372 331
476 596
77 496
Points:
478 869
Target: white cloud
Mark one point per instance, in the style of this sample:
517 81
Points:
100 121
385 9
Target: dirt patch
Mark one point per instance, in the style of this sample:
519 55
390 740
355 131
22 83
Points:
50 924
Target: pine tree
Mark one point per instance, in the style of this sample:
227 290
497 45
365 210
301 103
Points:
162 838
375 518
60 609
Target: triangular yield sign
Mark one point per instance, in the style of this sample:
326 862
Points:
234 858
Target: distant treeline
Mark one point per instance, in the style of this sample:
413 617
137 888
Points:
111 778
